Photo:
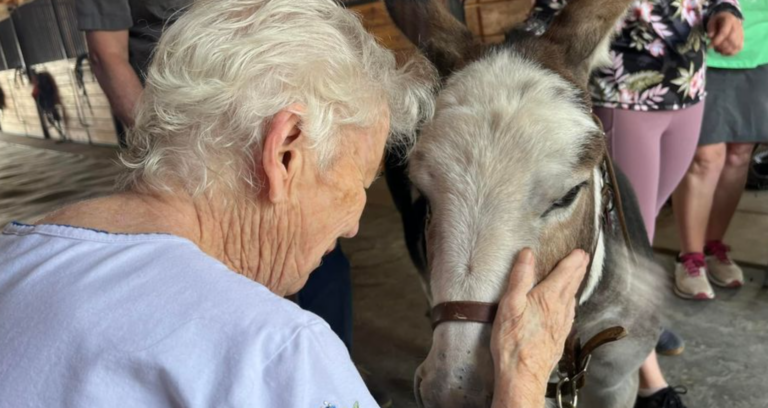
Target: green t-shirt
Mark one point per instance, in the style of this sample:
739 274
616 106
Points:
755 50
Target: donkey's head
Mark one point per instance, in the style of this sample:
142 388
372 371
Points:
511 160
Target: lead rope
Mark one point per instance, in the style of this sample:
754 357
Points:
615 192
618 205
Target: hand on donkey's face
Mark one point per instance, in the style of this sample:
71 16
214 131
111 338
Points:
532 323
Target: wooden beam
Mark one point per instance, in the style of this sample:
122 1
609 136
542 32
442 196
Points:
487 19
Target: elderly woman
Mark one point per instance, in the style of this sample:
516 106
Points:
262 124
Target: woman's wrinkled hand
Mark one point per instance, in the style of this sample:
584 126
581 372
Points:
532 325
726 33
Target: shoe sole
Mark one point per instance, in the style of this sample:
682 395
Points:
732 285
700 296
672 352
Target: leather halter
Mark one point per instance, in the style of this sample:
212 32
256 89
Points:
572 368
467 311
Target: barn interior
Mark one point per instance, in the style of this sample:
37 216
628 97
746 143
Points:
726 344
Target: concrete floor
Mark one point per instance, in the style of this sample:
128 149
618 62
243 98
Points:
38 176
724 365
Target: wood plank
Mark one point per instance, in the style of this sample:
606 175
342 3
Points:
376 20
493 39
391 37
373 14
495 18
473 2
104 138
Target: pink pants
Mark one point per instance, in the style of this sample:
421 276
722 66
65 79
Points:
654 149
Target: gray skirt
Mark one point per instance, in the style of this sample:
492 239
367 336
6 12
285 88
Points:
736 109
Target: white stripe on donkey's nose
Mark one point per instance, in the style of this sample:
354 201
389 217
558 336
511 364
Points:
598 258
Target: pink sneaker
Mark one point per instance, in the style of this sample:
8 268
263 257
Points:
691 278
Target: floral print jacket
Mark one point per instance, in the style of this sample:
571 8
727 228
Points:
658 55
658 58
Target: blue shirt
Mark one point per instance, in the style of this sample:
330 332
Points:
92 319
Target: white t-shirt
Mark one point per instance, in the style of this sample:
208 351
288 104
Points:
92 319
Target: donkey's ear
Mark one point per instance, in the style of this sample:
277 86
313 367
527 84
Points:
443 39
583 31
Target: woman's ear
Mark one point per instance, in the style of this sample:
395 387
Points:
281 154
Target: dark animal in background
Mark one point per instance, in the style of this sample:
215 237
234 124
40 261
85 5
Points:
46 95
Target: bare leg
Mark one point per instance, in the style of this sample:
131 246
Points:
651 377
692 200
729 189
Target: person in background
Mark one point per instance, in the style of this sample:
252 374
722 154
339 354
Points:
735 119
121 37
650 100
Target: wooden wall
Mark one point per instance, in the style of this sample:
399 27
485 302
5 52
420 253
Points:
20 116
376 19
487 19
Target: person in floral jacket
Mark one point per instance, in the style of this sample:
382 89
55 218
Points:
658 57
650 97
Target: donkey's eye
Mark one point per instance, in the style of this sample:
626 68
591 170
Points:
566 200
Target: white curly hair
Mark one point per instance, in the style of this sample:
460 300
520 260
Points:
226 67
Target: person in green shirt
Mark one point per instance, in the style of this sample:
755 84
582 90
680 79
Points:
735 119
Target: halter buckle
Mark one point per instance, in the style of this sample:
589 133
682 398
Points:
573 395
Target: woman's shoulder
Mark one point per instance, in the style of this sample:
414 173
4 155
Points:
117 305
156 284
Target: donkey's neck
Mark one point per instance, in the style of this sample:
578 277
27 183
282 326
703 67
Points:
598 258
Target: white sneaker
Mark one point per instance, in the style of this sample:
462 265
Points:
691 278
722 270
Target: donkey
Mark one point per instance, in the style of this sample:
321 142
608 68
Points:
513 158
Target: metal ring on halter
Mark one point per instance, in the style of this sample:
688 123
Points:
573 394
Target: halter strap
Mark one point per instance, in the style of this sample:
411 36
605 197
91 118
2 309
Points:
478 312
573 366
612 187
